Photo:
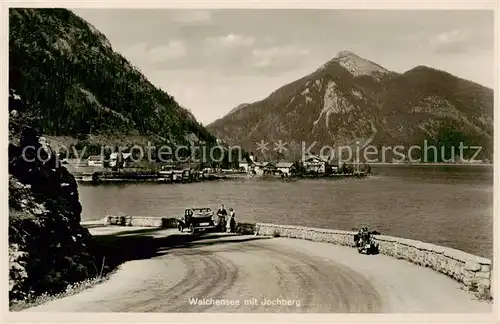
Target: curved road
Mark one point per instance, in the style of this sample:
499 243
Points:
255 274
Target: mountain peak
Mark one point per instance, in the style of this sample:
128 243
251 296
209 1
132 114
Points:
345 53
355 64
331 106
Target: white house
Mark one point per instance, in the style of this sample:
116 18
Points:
208 170
285 167
315 164
95 161
113 159
248 165
244 166
259 167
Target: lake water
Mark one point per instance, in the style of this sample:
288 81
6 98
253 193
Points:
445 205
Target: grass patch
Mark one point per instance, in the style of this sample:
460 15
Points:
72 289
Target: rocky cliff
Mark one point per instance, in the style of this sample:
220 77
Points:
351 101
48 249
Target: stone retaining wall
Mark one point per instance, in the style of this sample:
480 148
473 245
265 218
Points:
473 272
245 228
140 221
242 228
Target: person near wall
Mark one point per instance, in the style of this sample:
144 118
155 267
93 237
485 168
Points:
231 223
221 213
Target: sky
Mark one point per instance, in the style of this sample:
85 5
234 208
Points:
210 61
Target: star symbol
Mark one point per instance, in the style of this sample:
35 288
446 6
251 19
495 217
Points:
280 146
262 146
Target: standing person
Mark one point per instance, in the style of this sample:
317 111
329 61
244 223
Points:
230 220
233 221
222 213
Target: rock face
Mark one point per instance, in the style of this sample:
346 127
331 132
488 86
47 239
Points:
351 101
48 249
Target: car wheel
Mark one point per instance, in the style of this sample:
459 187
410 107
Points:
180 228
191 229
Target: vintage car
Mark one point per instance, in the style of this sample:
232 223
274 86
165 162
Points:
196 220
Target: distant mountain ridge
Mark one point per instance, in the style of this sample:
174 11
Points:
67 71
352 101
238 107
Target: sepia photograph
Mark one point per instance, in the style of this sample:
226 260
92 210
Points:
237 160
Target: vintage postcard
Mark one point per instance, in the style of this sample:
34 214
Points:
250 160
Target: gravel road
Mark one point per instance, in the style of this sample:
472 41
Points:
228 273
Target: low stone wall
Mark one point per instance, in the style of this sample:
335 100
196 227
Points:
245 228
140 221
473 272
241 228
169 222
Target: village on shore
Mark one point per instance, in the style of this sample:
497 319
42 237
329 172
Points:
119 167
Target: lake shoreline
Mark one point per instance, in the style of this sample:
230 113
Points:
211 177
431 204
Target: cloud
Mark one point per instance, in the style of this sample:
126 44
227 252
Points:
448 37
458 42
148 55
231 51
265 57
174 49
453 41
230 40
280 51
